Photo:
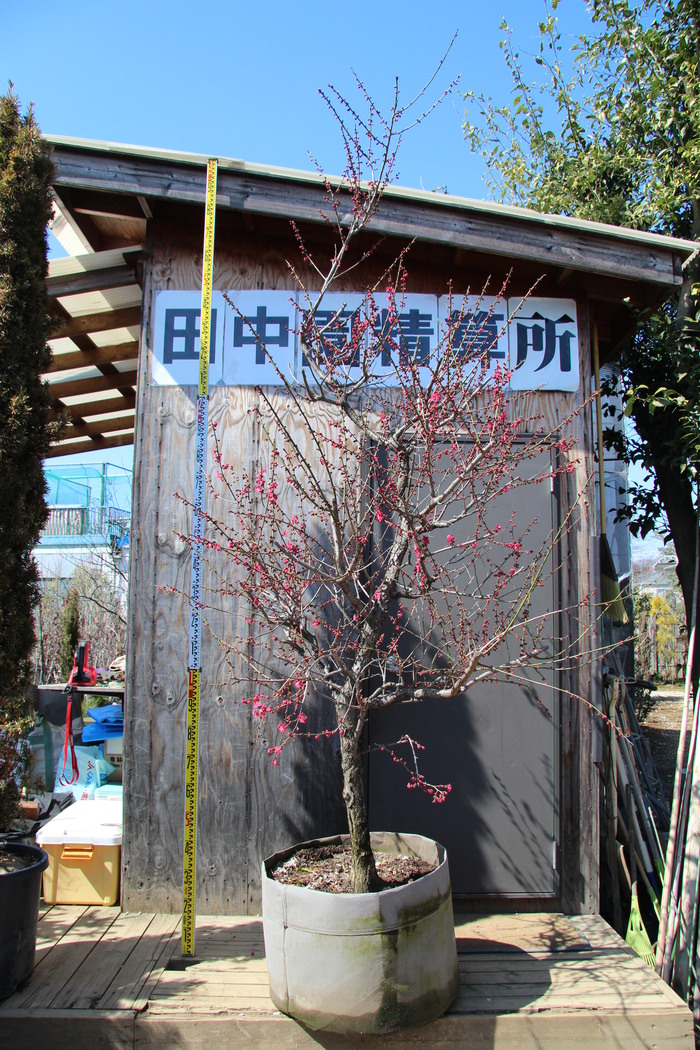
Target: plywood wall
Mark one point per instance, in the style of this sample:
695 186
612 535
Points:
247 807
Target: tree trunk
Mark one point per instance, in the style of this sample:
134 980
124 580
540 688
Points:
364 872
676 495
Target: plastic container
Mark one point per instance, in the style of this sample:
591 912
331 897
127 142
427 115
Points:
111 791
84 847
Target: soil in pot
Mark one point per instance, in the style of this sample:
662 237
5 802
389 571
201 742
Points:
328 868
10 861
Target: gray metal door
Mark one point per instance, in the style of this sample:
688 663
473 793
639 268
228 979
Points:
497 747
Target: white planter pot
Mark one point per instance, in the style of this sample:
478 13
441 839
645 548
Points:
363 962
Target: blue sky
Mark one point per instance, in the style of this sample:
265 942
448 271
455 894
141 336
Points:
232 79
237 80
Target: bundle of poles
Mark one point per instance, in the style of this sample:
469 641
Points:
658 841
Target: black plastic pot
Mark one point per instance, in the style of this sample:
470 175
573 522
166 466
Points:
20 892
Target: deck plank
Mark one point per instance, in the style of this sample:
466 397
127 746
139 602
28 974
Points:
96 973
56 969
54 921
595 1032
131 986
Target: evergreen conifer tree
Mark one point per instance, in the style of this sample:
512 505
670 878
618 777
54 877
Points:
25 432
70 632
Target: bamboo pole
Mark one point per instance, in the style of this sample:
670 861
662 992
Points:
664 946
612 806
691 867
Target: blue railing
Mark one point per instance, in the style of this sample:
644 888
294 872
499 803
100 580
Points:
107 522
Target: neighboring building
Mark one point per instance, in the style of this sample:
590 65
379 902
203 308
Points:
89 521
657 575
523 819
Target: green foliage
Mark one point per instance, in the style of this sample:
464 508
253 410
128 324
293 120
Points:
610 131
661 644
70 632
25 209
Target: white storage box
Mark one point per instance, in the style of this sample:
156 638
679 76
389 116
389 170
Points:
84 847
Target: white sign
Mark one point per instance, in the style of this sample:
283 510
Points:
543 340
265 336
176 338
259 338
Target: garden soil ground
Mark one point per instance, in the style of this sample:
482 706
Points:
662 729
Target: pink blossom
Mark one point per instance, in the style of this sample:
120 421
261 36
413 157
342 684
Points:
450 540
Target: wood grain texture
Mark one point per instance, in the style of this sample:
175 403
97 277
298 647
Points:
460 224
247 807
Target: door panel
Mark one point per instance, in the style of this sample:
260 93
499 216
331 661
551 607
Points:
497 747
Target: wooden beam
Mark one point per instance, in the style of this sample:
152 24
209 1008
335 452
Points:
89 428
108 205
91 445
91 281
84 231
145 207
104 321
516 235
95 356
93 384
126 401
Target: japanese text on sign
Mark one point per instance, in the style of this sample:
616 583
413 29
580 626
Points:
270 336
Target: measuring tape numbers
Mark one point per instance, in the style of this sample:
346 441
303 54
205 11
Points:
195 641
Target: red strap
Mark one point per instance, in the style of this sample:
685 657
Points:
68 742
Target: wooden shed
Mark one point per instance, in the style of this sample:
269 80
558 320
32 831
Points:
522 827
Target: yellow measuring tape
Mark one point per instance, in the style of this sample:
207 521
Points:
195 648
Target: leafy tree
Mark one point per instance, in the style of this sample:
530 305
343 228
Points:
25 435
660 640
611 132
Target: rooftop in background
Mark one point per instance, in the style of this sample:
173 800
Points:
656 574
88 485
106 194
89 505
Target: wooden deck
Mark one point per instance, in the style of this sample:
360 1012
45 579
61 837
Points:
531 982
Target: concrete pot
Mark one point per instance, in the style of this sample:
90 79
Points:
363 962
